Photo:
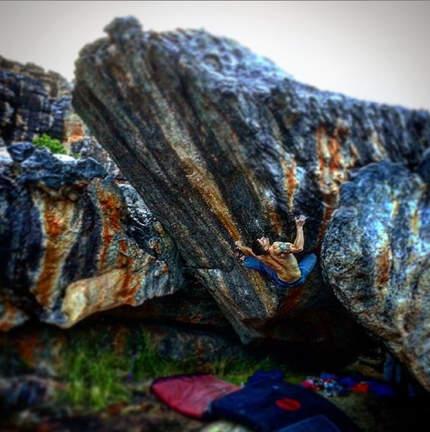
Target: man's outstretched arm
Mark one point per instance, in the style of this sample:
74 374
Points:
299 242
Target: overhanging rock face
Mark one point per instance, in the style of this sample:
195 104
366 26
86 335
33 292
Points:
376 254
223 145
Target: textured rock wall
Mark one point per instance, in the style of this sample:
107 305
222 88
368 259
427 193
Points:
55 85
32 102
73 242
222 145
376 255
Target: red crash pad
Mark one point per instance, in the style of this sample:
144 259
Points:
191 394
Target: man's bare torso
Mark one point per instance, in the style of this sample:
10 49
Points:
285 264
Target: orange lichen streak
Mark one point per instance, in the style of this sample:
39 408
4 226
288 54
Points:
415 223
274 216
116 251
110 210
126 261
11 315
211 195
60 224
383 266
291 181
332 168
288 165
74 128
180 141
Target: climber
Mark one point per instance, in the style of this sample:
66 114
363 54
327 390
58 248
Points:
277 259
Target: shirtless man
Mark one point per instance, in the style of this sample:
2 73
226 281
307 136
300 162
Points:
278 260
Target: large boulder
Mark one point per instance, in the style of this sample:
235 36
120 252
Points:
223 145
376 255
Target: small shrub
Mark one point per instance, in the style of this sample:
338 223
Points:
52 144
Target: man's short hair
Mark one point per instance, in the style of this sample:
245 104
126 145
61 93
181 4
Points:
258 248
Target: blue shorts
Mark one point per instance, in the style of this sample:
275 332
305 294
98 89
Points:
306 265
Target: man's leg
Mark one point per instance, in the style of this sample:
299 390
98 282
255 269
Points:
306 265
253 263
256 264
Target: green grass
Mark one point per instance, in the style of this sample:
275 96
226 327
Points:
96 374
237 371
93 376
146 362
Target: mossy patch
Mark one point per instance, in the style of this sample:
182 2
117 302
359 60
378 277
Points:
50 143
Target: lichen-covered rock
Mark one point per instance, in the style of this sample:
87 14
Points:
73 242
376 255
223 145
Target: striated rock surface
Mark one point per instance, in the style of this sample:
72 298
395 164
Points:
376 255
223 145
73 242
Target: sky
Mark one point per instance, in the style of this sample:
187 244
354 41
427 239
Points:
371 50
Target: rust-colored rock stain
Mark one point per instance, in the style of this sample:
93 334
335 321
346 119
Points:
59 222
111 211
383 267
26 347
332 169
395 210
291 181
274 218
74 129
415 223
210 194
290 303
127 291
11 315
